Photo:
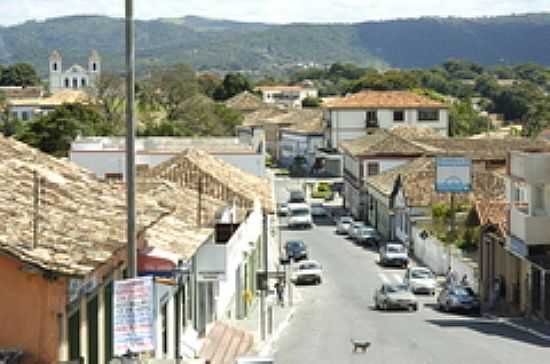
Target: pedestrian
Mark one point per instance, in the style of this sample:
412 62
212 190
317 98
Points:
451 277
279 288
465 281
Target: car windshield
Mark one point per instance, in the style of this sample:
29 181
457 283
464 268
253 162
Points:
394 288
395 249
462 292
308 265
300 212
358 225
295 244
421 274
368 231
346 220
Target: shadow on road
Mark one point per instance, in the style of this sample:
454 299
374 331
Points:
492 328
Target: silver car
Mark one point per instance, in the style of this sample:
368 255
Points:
367 235
343 225
354 229
397 296
458 298
394 254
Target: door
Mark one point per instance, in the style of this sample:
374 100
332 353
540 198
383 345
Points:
74 336
535 289
93 346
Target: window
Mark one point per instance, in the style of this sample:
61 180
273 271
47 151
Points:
54 67
398 115
83 82
94 66
373 169
67 83
164 328
25 115
113 176
428 115
372 119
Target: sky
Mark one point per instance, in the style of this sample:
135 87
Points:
271 11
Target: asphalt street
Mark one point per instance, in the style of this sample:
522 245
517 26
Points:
341 309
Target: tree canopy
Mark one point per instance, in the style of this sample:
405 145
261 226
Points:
19 74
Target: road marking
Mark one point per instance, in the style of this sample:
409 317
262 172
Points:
384 278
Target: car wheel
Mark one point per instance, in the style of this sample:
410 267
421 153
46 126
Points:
384 306
415 307
318 280
433 293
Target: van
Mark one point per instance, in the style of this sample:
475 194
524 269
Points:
299 215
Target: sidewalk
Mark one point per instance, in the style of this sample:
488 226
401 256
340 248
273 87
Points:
533 327
281 319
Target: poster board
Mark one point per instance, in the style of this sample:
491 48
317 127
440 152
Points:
453 174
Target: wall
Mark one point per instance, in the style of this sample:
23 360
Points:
435 255
28 312
114 161
19 110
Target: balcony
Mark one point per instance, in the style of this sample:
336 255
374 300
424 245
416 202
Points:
533 230
534 168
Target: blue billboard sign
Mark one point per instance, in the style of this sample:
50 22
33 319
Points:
453 174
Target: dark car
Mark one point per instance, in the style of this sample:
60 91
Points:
296 250
458 298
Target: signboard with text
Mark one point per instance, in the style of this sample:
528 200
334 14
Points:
453 174
133 316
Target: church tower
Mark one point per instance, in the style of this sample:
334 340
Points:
55 71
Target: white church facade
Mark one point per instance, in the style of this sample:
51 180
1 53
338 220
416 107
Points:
76 77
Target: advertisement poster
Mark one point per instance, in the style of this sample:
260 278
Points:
133 311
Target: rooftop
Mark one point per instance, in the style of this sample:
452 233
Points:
410 132
383 100
215 145
493 213
381 142
282 88
58 99
418 181
245 101
81 221
260 117
17 92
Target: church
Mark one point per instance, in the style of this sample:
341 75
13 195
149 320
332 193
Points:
76 77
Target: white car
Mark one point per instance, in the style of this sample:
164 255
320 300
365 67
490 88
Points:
317 209
420 280
307 271
343 225
355 228
394 254
299 215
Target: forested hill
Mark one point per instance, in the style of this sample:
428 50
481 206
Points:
221 44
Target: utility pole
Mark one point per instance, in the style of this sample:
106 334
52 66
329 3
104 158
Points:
263 295
130 140
452 229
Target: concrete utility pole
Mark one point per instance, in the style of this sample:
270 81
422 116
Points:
130 140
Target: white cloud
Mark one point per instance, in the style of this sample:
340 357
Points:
279 11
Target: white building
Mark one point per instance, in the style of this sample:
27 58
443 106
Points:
26 108
106 156
76 76
349 117
288 96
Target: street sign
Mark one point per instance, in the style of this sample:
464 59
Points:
133 316
453 174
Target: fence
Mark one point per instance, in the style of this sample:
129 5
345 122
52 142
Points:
435 255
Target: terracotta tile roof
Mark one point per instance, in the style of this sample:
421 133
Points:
260 117
381 142
245 101
282 88
81 220
58 99
186 167
383 100
418 181
479 149
21 92
494 213
414 132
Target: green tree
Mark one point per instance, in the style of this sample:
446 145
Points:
487 86
462 69
110 98
208 83
514 102
54 132
233 84
19 74
311 102
465 121
537 117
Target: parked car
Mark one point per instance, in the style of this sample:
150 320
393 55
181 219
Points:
343 224
458 298
395 296
367 235
394 254
297 197
307 271
354 229
296 250
420 280
317 209
299 215
282 209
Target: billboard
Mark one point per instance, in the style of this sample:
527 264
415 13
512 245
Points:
453 174
134 316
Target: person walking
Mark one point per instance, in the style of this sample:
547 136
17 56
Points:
279 288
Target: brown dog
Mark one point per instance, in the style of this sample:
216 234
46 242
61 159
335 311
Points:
363 345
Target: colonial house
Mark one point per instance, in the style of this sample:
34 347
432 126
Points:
106 156
27 108
376 152
64 244
75 77
287 96
349 117
399 196
301 140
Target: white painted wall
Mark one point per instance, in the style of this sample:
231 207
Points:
385 164
101 162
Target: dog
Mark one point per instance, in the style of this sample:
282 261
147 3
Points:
363 345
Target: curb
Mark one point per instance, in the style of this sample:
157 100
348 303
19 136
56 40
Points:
268 345
519 327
